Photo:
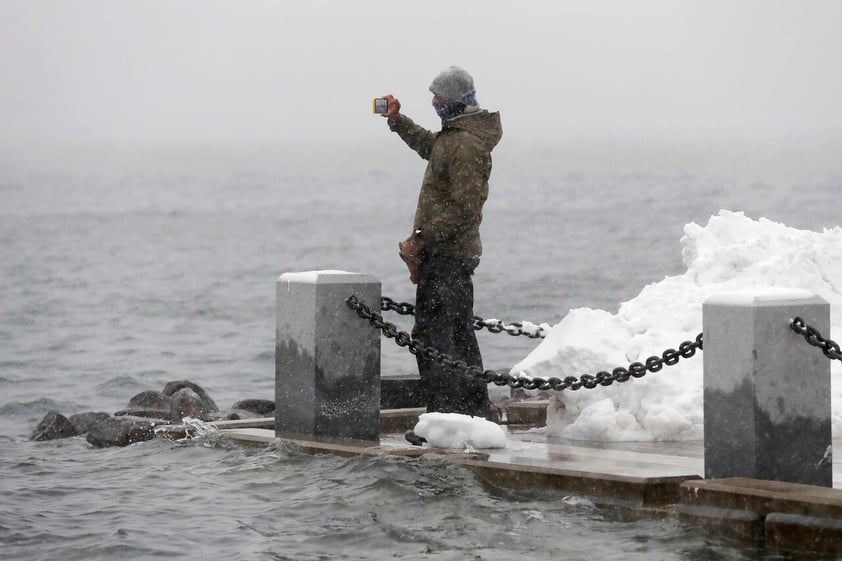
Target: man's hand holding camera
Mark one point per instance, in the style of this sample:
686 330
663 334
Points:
388 106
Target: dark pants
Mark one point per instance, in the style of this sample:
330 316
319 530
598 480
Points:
444 310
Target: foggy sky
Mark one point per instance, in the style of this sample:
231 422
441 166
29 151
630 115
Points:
204 70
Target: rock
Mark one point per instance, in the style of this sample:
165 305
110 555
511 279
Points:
146 413
171 387
85 421
245 414
228 415
187 403
122 431
151 400
149 404
260 407
53 426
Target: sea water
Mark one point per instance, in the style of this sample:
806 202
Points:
122 269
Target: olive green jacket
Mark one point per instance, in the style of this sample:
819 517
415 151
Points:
455 184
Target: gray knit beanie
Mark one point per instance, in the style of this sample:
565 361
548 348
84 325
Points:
452 84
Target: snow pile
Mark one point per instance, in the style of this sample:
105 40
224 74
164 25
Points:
452 430
731 253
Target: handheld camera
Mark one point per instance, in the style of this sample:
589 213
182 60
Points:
379 105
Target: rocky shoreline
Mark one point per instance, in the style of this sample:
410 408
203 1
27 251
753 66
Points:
144 412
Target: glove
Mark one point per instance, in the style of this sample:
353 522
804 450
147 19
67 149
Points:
411 251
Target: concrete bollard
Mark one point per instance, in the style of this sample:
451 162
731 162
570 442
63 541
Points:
327 359
766 391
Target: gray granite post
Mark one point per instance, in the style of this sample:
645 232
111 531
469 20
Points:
327 359
766 391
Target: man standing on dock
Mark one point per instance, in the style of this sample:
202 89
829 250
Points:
445 248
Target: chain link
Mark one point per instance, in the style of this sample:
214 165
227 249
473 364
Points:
492 325
670 357
829 347
402 308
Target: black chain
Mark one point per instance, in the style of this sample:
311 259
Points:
669 357
494 326
402 308
829 347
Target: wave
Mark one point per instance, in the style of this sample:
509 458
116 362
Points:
41 405
115 387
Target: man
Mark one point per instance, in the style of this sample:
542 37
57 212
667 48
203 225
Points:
445 247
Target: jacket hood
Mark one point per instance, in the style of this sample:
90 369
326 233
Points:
483 124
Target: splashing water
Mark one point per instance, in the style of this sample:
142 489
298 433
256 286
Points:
196 428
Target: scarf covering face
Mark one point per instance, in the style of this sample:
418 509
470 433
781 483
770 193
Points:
452 109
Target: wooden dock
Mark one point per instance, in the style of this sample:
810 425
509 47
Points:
650 478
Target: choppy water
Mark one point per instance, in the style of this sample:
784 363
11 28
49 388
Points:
120 271
217 501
